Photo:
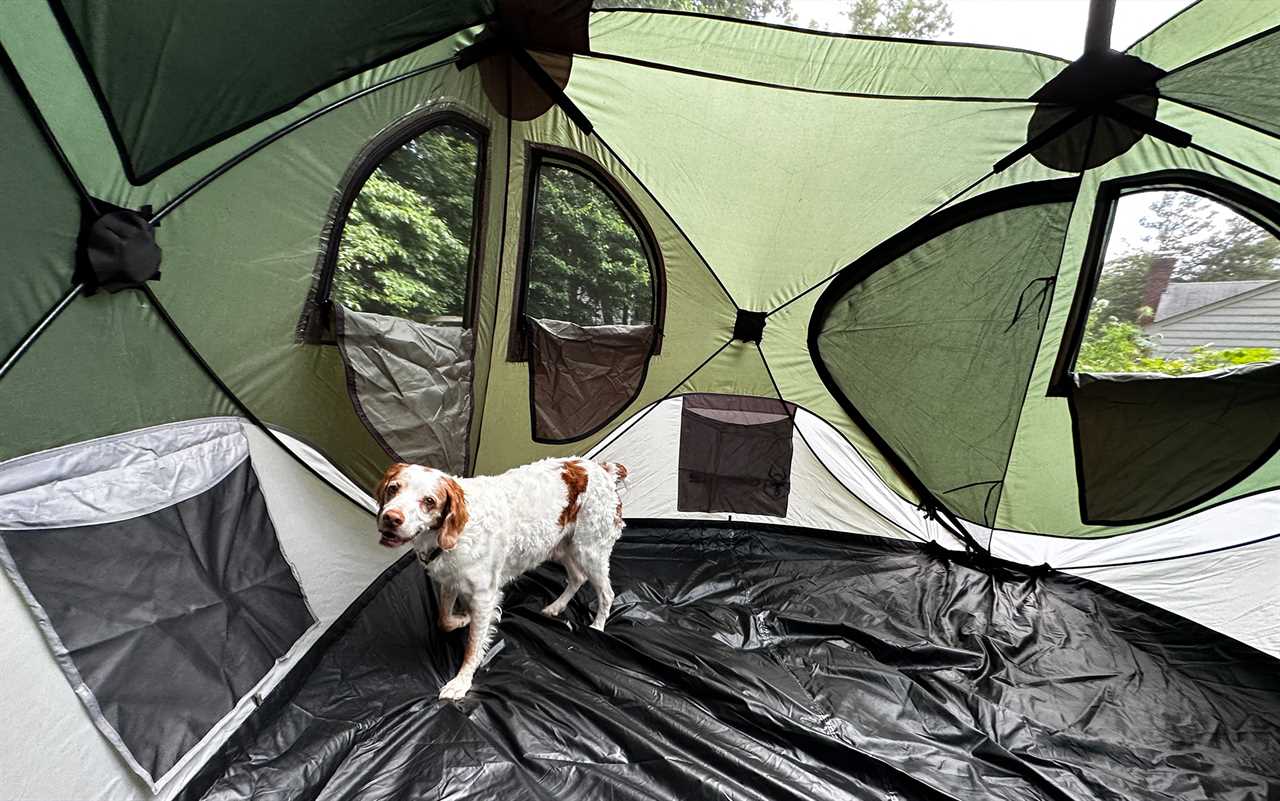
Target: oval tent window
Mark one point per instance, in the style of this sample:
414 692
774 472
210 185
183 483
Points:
402 281
589 300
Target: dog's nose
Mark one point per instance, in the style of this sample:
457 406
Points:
392 518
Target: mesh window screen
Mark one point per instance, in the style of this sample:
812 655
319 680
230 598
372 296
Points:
735 454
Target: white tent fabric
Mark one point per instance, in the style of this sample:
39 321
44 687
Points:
832 486
328 541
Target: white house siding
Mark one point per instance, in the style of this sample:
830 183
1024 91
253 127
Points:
1248 321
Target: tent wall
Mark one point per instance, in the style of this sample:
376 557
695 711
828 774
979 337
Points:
335 556
831 486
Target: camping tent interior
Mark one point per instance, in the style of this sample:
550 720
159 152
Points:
899 525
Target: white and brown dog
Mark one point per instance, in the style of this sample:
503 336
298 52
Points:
473 535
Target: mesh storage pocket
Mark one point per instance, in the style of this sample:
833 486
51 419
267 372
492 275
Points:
581 377
735 454
152 568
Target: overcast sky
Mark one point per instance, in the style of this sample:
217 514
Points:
1047 26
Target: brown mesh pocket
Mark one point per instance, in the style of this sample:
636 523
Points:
735 454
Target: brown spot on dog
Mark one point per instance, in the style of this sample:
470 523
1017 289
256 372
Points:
388 478
574 475
453 511
620 470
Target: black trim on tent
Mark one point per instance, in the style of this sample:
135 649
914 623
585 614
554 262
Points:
1257 208
36 330
126 162
317 313
1004 199
226 166
1220 115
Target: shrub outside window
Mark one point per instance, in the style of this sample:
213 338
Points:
1188 285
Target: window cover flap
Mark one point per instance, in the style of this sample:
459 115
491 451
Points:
162 617
1149 446
581 377
411 385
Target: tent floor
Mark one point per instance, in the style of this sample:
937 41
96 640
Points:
760 664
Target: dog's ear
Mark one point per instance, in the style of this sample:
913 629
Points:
393 472
454 514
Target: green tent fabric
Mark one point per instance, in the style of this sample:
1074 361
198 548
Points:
899 239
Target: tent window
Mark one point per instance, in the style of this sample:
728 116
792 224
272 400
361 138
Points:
407 243
1187 285
1171 366
735 454
589 297
589 258
405 233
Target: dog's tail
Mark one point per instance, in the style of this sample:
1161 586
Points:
619 473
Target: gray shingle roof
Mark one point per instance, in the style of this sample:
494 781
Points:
1183 297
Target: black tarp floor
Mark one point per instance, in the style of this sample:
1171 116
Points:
751 664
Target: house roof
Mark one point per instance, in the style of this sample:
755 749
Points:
1179 298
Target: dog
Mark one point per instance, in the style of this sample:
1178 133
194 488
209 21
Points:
474 535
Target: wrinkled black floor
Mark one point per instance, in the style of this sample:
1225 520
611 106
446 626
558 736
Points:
745 664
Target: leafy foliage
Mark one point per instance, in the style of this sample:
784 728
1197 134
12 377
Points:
1116 346
406 247
1209 243
586 262
920 19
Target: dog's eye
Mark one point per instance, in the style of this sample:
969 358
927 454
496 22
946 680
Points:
428 502
392 489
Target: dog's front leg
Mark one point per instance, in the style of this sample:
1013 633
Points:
483 608
448 620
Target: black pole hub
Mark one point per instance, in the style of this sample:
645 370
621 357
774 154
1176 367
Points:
1089 91
117 248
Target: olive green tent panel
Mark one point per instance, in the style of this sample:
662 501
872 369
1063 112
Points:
49 68
817 61
39 217
236 240
1040 490
814 180
698 319
199 91
108 365
1203 28
1238 84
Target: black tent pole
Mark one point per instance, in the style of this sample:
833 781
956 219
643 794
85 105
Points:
1097 34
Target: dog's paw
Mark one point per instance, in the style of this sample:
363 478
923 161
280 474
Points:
455 689
455 622
552 610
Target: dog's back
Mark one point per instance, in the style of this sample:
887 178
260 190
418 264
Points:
535 512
